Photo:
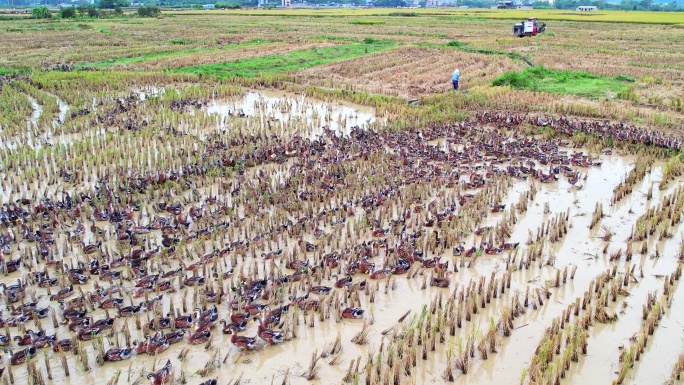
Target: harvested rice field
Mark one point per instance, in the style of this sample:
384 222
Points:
297 197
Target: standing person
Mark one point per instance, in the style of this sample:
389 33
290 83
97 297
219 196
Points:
454 78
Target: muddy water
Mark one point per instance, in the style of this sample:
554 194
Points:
581 247
285 110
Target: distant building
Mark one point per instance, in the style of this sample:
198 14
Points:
432 3
209 6
285 3
587 8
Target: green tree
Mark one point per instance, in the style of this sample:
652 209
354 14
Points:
89 11
112 4
67 13
390 3
148 12
671 6
41 12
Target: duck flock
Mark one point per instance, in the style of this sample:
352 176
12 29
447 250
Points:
286 226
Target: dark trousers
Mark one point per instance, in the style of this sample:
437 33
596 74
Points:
455 83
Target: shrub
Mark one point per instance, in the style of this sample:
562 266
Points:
112 4
89 11
41 12
516 80
228 6
67 13
628 94
624 78
148 12
367 22
403 14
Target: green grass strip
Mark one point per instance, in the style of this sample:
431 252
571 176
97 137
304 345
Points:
7 71
162 55
577 83
290 61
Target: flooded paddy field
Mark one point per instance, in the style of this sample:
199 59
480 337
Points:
257 237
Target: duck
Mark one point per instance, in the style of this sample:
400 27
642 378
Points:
105 323
162 375
21 356
255 308
322 290
42 313
379 274
200 337
15 321
87 333
458 250
228 327
17 286
498 208
305 303
509 246
205 325
365 266
242 342
22 340
238 317
183 322
128 311
342 282
174 336
4 340
441 281
493 250
273 316
63 293
110 303
159 323
141 347
213 381
73 303
352 313
117 354
269 335
76 323
192 281
23 308
77 279
211 313
399 269
147 280
65 345
157 344
40 339
48 282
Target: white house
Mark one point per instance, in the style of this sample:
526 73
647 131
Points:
587 8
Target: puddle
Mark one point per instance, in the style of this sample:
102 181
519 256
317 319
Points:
290 111
63 109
